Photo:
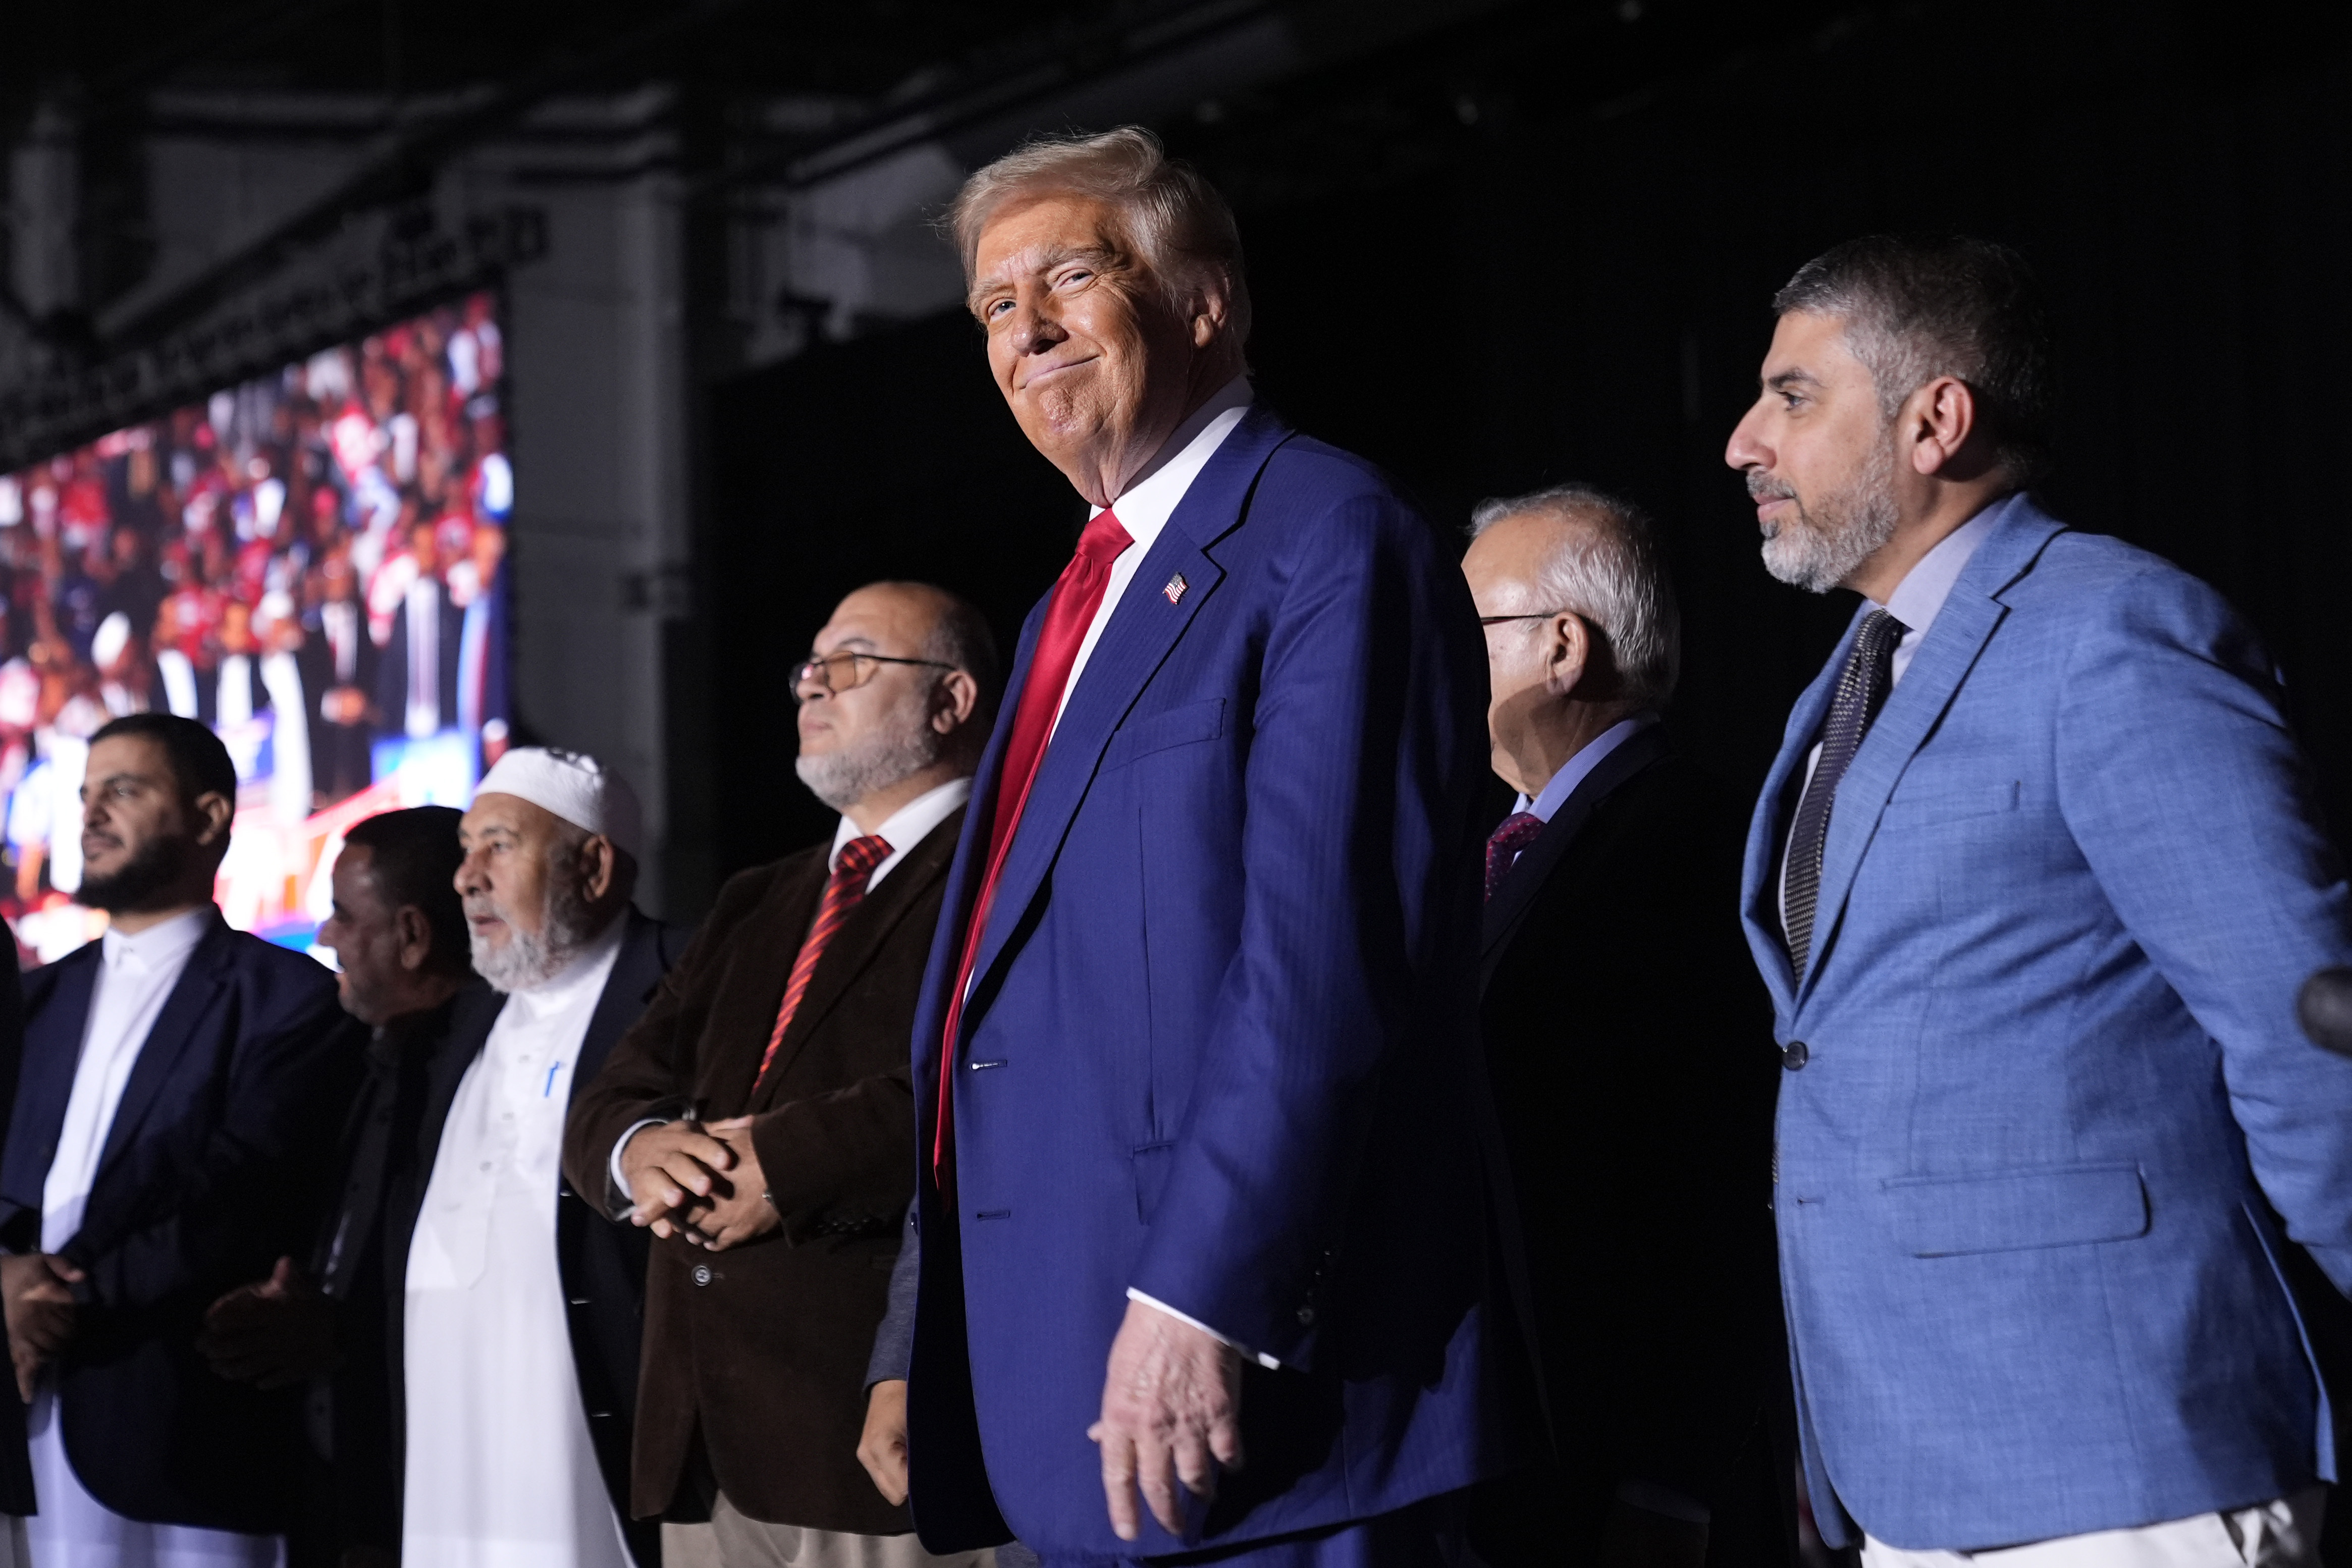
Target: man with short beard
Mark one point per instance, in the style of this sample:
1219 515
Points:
518 1350
170 1135
2034 883
756 1119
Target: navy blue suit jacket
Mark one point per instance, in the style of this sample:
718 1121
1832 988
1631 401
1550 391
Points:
1220 1043
216 1165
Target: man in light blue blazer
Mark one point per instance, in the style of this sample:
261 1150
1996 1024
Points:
2033 883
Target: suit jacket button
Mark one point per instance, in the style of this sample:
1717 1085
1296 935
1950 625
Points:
702 1273
1793 1056
1306 1317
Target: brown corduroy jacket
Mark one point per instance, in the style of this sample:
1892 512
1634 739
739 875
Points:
763 1347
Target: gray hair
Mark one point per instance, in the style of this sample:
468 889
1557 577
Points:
1917 309
1607 566
1178 222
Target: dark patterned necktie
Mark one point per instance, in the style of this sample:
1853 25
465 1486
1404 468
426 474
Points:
1869 673
1503 846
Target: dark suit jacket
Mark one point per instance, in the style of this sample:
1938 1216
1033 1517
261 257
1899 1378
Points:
216 1165
392 669
1626 1035
1218 1049
354 1486
602 1265
763 1349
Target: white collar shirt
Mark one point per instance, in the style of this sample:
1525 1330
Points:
905 828
136 974
1152 499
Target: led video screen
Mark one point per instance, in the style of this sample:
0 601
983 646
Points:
312 564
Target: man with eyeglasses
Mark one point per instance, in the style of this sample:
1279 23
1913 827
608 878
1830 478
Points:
757 1118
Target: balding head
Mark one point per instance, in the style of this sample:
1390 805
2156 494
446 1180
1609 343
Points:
895 698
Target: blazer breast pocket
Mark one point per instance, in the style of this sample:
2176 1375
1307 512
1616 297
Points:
1934 806
1185 726
2015 1210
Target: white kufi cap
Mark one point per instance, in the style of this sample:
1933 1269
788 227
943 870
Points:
575 787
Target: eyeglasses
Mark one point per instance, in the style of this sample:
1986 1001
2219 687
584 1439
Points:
1531 615
824 671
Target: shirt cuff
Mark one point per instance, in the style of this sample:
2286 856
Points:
618 1199
1159 1306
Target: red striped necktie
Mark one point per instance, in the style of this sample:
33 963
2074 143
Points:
1078 594
842 891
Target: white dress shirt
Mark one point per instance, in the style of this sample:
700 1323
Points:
501 1472
1152 498
905 828
135 977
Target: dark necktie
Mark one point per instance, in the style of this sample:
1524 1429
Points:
843 890
1078 594
1869 673
1504 844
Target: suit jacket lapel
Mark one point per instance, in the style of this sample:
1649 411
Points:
52 1050
1507 909
1944 657
860 938
1759 888
1142 630
637 970
175 1026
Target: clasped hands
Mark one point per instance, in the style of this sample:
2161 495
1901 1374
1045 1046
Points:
700 1182
37 1294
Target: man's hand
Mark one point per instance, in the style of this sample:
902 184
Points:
672 1168
739 1210
1170 1411
36 1295
273 1334
882 1446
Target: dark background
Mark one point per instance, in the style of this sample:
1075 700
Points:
1542 247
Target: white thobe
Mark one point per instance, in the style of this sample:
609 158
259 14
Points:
500 1471
73 1529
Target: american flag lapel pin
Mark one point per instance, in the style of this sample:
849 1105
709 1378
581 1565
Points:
1175 589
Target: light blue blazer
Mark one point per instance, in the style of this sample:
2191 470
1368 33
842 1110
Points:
2052 1087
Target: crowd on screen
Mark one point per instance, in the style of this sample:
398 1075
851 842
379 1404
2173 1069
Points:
307 564
1183 1114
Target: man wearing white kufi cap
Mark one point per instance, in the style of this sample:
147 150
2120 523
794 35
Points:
520 1308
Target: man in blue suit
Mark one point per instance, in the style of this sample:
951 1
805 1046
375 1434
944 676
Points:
2033 883
1194 1057
172 1125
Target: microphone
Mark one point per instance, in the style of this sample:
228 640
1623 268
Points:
2326 1008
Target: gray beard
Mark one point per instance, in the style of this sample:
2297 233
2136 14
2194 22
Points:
842 778
1817 553
528 961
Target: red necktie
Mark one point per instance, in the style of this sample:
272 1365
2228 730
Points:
1078 594
1503 846
842 891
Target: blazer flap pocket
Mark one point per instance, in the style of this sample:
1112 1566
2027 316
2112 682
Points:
1944 805
1177 727
2006 1211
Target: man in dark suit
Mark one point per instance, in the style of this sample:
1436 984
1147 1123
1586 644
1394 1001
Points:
1625 1035
170 1131
417 687
760 1111
1200 1113
521 1311
398 932
338 664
